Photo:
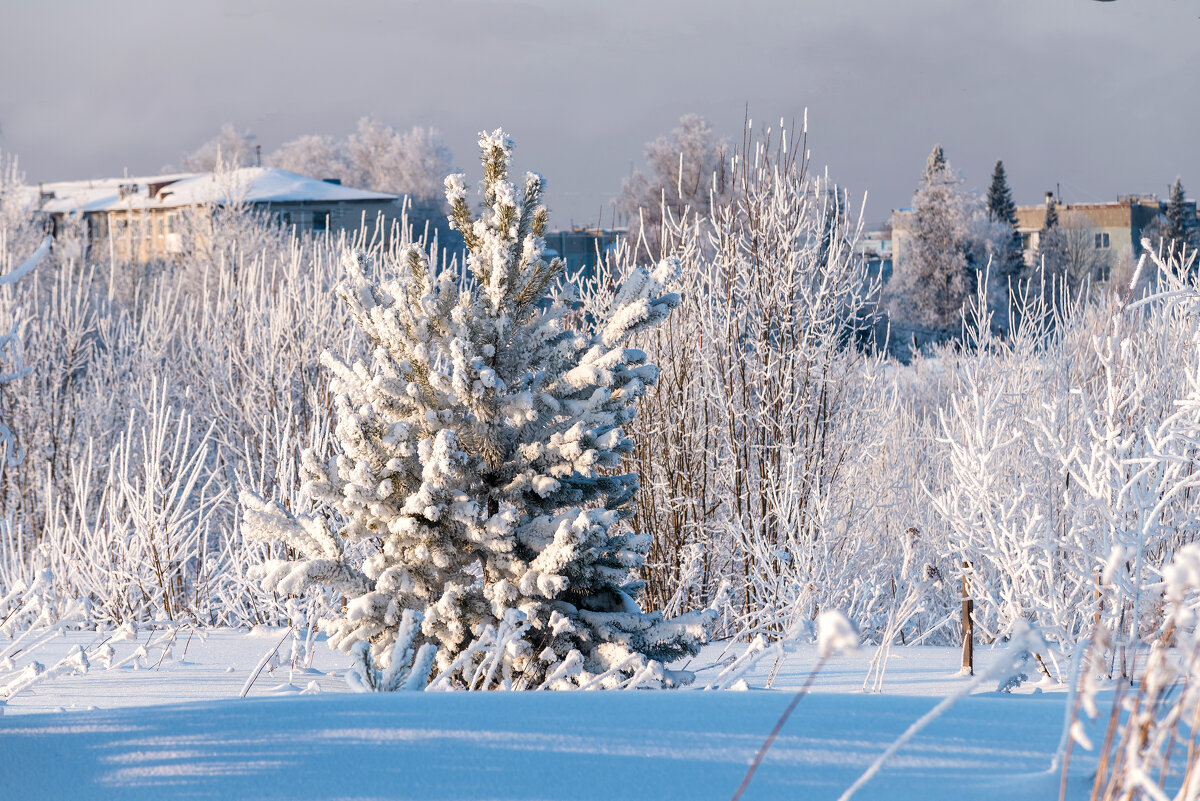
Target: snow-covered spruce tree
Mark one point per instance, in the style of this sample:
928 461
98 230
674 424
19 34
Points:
934 274
479 461
1050 239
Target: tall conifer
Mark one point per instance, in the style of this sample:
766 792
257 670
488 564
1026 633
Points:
934 275
1001 209
1181 219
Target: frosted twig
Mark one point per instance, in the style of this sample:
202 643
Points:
263 663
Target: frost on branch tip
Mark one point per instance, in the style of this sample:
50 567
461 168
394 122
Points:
495 141
476 512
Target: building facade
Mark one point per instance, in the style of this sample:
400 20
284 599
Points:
147 218
581 249
1112 231
1115 228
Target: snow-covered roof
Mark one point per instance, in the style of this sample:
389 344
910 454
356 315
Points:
175 190
92 195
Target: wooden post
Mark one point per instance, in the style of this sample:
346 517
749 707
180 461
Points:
968 627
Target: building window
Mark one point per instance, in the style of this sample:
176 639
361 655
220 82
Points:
320 221
285 219
1102 242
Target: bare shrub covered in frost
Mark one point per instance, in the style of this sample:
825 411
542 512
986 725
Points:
814 475
754 450
1149 750
1071 463
152 391
687 173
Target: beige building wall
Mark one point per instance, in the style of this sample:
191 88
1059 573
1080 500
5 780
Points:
143 235
1116 227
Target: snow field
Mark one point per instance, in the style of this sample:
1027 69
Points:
217 663
179 730
622 745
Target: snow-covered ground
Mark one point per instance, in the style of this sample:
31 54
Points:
178 729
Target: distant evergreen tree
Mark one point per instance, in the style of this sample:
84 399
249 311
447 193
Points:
1051 221
934 274
1000 204
1051 262
1181 220
1001 209
935 165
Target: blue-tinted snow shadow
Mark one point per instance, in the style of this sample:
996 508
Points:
626 745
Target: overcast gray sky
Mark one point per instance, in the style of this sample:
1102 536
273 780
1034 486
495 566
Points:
1101 97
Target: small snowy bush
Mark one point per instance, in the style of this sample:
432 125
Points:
479 465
